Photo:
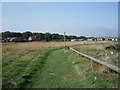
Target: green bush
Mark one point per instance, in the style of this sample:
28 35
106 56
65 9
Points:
19 39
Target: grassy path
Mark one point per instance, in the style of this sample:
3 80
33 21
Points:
58 72
63 69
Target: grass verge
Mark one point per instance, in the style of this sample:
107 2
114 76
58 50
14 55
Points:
18 73
93 75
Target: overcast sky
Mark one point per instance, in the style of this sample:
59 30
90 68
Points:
79 18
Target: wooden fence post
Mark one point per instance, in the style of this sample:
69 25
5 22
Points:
64 39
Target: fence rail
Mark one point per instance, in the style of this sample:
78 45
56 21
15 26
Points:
115 68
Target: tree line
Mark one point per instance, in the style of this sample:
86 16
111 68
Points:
20 37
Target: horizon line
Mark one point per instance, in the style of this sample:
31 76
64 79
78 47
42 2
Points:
59 34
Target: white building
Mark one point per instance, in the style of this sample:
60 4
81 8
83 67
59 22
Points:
72 40
89 39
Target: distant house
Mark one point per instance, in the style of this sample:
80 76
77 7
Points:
89 39
99 39
11 39
30 38
110 39
33 38
81 40
72 40
116 39
94 39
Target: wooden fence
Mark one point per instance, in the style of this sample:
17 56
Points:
115 68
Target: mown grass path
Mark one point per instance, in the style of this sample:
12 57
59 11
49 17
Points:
63 70
57 72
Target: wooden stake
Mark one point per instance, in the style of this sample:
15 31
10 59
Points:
64 39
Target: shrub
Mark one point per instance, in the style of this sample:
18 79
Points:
19 39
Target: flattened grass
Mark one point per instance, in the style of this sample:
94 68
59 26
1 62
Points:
58 72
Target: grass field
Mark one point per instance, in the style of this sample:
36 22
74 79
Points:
49 65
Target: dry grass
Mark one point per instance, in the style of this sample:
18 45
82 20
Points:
10 49
40 45
98 50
